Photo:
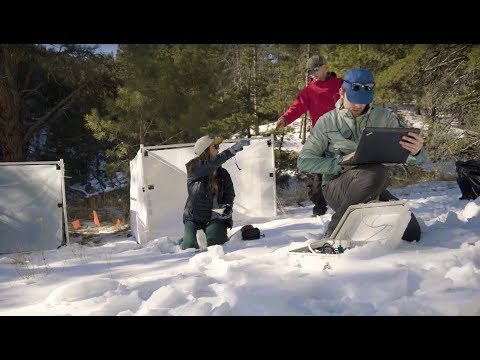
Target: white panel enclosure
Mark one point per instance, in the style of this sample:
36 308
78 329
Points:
164 186
32 206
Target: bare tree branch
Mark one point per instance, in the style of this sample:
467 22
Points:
470 145
31 129
28 92
442 64
173 136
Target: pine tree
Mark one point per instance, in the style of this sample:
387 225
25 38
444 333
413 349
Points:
168 93
37 87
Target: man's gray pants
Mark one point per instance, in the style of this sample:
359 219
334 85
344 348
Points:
362 184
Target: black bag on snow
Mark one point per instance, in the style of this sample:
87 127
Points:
468 178
250 233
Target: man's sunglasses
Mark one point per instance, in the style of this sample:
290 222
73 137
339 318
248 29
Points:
357 86
216 146
315 69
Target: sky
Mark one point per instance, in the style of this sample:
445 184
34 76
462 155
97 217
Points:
108 48
110 274
103 48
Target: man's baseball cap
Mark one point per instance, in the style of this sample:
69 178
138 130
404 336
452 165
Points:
204 143
359 84
314 63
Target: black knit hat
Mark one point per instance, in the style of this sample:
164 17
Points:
315 62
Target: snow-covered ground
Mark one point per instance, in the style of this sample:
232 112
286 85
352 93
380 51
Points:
94 187
440 275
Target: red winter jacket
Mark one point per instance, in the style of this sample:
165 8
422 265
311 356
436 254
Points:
317 97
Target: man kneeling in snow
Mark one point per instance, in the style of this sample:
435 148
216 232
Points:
334 139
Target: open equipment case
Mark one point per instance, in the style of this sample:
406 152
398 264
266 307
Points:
362 223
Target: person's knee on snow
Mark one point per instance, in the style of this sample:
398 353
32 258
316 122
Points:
189 239
216 232
413 231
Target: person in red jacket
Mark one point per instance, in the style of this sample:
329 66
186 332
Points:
318 97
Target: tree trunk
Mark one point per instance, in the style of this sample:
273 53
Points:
304 120
11 139
254 89
12 130
141 132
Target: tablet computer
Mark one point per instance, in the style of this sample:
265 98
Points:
381 145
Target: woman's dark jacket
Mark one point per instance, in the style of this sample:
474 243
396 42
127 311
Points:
200 197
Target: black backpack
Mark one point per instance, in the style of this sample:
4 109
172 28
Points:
468 178
249 232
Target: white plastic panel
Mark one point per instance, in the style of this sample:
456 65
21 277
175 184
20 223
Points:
138 204
31 206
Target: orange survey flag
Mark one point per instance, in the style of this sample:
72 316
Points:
95 218
76 224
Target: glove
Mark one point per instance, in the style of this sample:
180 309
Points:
238 146
281 123
227 213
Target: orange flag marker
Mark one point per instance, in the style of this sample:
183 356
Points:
95 218
76 224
